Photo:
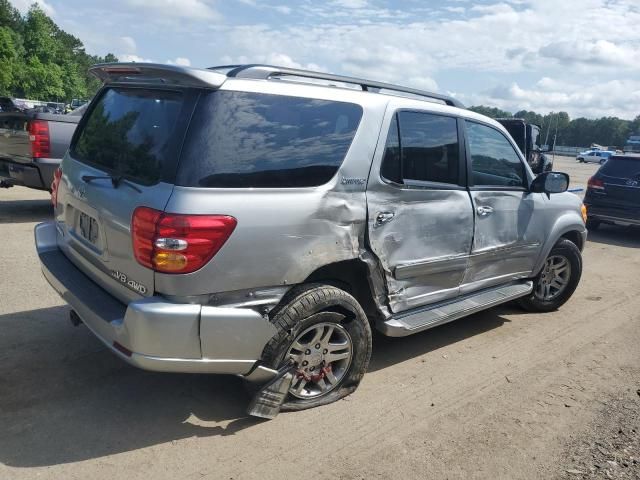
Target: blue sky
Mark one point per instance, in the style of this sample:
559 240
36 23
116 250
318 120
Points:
581 56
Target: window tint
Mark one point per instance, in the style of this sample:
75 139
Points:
427 149
494 160
239 139
621 167
129 132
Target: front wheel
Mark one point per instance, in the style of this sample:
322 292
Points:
326 334
557 280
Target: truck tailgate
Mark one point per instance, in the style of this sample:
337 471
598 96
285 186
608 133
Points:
14 137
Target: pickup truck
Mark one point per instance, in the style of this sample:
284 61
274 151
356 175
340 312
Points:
32 145
527 137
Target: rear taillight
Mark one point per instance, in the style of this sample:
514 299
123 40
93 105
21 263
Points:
174 243
57 176
39 138
595 184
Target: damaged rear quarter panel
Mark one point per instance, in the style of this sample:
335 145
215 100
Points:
284 234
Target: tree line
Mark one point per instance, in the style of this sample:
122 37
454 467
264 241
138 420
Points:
577 132
40 61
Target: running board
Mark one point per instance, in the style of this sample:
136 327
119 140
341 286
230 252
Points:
417 320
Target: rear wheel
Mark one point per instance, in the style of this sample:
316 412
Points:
603 161
325 332
557 280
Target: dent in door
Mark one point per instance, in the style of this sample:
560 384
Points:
424 249
507 240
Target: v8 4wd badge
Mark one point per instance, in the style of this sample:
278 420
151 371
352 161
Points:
132 284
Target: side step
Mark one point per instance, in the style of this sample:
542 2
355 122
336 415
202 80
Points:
420 319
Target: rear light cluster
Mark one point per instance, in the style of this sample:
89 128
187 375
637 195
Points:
174 243
595 184
39 138
57 176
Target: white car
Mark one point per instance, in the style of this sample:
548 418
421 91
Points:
594 156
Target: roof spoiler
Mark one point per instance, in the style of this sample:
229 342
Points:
157 73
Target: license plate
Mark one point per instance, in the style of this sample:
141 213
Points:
88 228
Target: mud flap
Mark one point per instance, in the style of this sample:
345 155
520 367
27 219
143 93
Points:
266 403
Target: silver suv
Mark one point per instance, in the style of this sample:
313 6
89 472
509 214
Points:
242 220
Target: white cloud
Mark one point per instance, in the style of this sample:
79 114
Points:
23 6
128 44
283 9
128 57
193 9
182 61
596 99
593 52
350 3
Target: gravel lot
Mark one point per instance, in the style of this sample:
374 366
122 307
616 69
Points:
501 394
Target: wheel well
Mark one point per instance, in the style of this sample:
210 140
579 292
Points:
351 276
576 238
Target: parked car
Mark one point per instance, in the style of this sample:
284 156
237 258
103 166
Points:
594 156
632 144
32 145
527 137
613 193
254 220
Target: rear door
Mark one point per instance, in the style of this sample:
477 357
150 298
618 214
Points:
420 219
124 155
508 233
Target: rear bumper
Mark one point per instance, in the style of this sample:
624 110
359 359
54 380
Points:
36 174
154 334
618 216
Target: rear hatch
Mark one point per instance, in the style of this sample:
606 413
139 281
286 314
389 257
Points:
621 178
123 155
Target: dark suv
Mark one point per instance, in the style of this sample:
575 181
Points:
613 193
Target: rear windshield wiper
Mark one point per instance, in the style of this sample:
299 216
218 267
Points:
115 181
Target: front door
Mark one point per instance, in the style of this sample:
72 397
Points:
508 233
420 218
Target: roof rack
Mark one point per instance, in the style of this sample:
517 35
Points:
265 72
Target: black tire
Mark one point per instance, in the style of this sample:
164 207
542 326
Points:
311 304
603 161
592 224
567 249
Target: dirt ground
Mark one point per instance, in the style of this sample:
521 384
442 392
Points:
501 394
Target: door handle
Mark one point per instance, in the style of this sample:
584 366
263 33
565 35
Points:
484 211
383 217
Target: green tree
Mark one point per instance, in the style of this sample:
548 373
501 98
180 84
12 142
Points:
41 61
492 112
8 60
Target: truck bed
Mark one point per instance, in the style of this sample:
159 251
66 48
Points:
17 165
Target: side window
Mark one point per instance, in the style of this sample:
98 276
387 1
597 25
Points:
421 147
493 160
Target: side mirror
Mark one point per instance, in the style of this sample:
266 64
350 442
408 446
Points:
550 182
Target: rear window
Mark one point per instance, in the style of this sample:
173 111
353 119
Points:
239 139
621 167
132 132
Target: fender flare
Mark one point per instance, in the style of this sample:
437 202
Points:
567 223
